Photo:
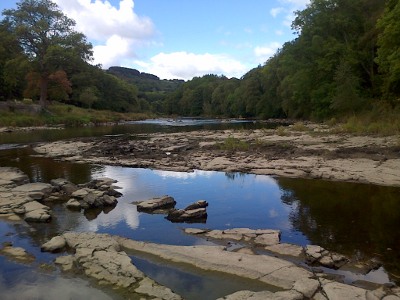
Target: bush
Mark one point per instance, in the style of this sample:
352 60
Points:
234 144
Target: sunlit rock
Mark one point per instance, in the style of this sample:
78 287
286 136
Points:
164 202
316 255
100 257
149 287
36 212
36 191
57 243
66 262
198 215
17 253
12 177
73 204
196 205
286 249
339 291
307 287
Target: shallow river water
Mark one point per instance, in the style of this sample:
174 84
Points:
353 219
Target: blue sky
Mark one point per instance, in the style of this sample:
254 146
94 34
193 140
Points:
182 38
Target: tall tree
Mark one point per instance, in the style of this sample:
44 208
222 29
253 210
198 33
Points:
47 38
389 51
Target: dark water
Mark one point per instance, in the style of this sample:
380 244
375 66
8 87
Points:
354 219
134 127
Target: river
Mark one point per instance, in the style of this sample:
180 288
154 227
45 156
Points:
358 220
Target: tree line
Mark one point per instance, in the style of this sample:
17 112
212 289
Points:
43 58
345 59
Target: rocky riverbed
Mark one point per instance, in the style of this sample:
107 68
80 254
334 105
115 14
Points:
312 152
290 271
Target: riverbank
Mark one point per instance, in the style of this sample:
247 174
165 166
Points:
306 151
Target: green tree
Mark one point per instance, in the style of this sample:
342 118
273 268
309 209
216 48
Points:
47 37
389 50
13 65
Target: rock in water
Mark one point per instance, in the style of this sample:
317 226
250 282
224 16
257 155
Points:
164 202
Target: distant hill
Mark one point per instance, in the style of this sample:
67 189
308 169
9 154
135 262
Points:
145 82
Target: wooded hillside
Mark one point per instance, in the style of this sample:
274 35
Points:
345 59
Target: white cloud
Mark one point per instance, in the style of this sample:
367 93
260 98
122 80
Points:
113 31
291 7
296 3
186 65
276 11
263 53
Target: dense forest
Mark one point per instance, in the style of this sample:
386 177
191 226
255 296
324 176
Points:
345 59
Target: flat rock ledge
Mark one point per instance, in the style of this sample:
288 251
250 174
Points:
270 240
103 257
19 199
100 257
22 200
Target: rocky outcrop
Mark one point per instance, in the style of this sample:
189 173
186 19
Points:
21 200
194 213
156 205
266 269
316 255
97 193
198 215
258 237
11 177
101 258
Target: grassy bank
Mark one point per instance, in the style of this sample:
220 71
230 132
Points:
67 115
378 121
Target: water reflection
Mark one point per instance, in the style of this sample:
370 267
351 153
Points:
354 219
140 127
24 283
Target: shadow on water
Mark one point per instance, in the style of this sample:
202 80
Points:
353 219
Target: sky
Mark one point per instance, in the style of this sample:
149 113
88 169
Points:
181 39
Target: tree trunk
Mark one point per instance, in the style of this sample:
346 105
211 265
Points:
44 81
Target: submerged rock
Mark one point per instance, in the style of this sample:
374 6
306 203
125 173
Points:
17 253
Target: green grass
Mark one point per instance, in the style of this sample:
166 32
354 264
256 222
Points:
299 126
234 144
375 122
67 115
